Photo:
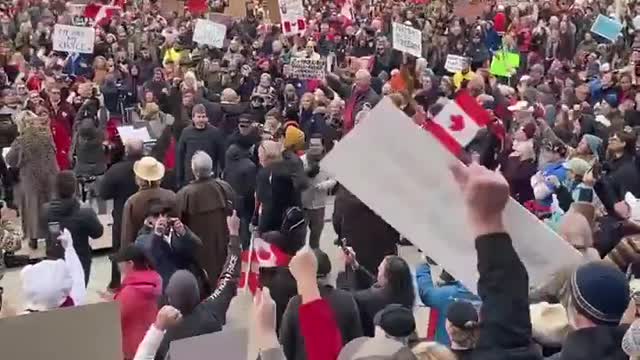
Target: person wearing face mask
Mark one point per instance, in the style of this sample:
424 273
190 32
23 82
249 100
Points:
200 136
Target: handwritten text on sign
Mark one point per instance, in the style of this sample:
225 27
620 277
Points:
73 39
209 33
407 39
307 69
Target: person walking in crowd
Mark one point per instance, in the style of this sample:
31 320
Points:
200 136
118 184
149 172
169 244
138 296
202 207
82 222
32 154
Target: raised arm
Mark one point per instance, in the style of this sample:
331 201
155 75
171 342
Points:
503 282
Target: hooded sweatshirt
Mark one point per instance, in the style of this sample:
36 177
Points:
138 298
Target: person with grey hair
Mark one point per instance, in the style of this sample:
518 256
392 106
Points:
202 206
359 96
118 184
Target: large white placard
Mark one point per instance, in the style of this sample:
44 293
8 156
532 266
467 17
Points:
407 39
418 196
307 69
209 33
73 39
455 63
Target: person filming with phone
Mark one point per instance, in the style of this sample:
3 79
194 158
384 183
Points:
168 243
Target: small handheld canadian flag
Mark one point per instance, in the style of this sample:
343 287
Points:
458 122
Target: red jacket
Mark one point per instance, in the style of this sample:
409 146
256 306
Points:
62 141
322 337
138 298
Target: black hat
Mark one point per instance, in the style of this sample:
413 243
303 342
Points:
396 320
600 292
129 253
462 314
156 207
324 264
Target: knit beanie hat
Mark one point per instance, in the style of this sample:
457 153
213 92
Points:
600 292
594 143
293 138
183 292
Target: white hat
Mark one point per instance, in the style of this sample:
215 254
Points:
549 323
149 169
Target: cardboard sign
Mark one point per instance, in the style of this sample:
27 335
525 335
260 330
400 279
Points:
455 63
75 333
424 203
363 62
307 69
407 39
606 27
223 19
236 8
73 39
292 17
209 33
228 344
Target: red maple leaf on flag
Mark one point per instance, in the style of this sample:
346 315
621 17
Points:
457 123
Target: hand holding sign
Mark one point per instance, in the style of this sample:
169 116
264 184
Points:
486 194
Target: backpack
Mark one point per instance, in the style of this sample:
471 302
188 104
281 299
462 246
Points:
293 220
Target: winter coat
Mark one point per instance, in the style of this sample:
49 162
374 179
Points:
82 223
346 313
135 207
138 298
600 342
172 254
33 155
87 147
210 315
240 172
275 192
518 173
201 206
356 100
317 194
362 227
118 183
282 286
623 176
209 140
439 298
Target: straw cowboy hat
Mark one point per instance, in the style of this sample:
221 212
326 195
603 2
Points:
149 169
549 323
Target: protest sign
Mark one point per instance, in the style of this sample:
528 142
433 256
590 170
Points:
223 19
236 8
73 39
504 64
209 33
229 343
407 39
128 133
606 27
357 63
426 204
455 63
292 17
74 333
307 69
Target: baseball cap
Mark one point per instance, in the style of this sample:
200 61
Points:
396 320
462 313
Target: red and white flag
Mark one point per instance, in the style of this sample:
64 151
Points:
347 10
458 122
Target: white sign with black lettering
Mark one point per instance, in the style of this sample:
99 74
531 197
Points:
455 63
307 69
209 33
73 39
407 39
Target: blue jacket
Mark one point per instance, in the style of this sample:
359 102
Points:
558 170
439 298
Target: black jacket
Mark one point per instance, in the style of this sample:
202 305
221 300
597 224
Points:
210 315
240 172
226 116
602 343
505 333
118 183
346 314
275 192
81 222
282 287
623 175
209 140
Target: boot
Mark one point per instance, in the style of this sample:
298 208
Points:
33 244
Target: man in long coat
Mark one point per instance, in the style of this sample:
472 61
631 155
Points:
202 207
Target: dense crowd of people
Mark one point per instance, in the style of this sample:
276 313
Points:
229 191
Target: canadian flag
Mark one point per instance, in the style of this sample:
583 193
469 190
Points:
346 10
101 14
458 122
260 254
